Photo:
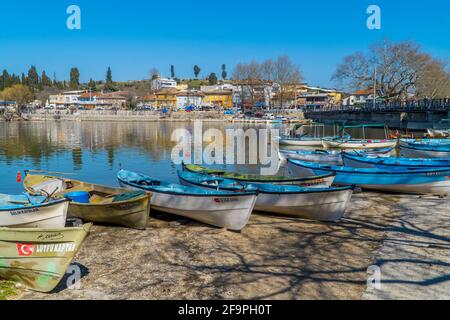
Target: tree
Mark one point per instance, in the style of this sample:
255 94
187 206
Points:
196 71
45 80
154 74
212 78
172 71
92 85
109 79
434 81
74 78
224 72
286 75
5 80
20 94
395 68
33 78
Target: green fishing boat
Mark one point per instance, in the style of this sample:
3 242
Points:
38 258
320 181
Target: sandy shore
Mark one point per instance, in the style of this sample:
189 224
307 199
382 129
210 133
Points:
273 257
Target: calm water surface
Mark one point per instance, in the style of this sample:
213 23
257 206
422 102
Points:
94 151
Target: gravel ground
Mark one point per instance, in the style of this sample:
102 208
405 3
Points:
273 257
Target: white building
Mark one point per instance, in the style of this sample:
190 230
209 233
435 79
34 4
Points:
189 98
162 83
64 100
358 98
217 87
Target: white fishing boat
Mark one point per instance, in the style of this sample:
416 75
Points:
358 143
324 204
223 209
26 211
318 156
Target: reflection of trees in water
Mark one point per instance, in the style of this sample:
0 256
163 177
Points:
41 140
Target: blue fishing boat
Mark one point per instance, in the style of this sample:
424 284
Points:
402 180
365 161
424 149
224 209
27 211
324 204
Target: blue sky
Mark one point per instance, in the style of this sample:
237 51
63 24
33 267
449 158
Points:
134 36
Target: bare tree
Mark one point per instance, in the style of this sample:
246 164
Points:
287 75
434 81
395 68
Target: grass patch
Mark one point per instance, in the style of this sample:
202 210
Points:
7 290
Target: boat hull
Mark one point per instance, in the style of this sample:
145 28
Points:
436 183
51 215
301 142
224 211
38 258
394 163
328 144
407 151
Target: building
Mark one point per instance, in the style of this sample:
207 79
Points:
189 98
217 87
359 97
218 98
65 100
111 101
162 83
146 102
166 98
253 93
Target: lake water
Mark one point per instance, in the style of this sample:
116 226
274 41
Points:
95 151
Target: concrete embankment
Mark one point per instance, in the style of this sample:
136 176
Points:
127 116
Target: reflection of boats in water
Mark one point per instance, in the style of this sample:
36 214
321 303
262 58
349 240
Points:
304 135
57 115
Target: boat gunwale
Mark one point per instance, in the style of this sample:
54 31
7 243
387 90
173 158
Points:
376 170
45 204
425 147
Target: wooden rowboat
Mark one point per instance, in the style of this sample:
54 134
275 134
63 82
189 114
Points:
311 181
27 211
106 205
38 258
223 209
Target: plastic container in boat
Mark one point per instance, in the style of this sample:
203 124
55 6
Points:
78 196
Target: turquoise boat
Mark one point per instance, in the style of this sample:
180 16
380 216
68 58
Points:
434 181
323 204
425 149
224 209
364 161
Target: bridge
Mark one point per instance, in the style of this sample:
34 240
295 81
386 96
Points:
407 115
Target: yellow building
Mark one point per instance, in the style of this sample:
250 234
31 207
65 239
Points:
166 98
218 98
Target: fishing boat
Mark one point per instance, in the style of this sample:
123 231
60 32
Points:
433 133
401 180
359 161
311 181
101 204
304 135
326 156
328 204
223 209
39 257
358 143
28 211
344 140
424 149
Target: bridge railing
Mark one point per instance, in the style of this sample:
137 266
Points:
393 106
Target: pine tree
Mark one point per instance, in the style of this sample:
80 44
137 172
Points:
45 80
109 81
92 85
212 78
224 72
74 78
172 71
196 71
33 78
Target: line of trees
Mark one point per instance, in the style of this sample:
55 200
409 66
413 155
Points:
398 70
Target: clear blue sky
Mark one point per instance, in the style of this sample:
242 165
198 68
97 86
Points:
134 36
